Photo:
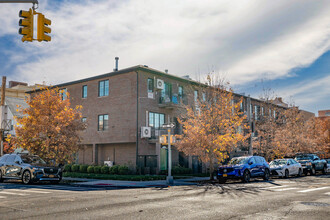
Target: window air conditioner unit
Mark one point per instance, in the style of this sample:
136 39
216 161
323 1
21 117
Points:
160 84
145 132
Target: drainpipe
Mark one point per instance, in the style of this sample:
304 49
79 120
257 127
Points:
137 118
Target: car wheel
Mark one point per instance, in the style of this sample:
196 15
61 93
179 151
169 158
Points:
26 177
266 176
324 171
299 173
1 180
222 180
246 176
313 172
305 172
286 175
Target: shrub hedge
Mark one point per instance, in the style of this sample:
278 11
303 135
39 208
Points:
75 168
83 168
90 169
97 169
67 168
105 169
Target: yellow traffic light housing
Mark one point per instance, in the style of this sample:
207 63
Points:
43 28
27 25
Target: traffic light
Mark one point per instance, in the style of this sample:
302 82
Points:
27 25
43 28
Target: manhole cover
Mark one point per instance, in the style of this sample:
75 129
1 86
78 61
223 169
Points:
315 203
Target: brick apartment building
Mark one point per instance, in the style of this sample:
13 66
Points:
120 106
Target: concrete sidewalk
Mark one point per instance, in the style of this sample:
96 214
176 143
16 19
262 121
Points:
132 184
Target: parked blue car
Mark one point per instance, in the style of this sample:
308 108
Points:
244 168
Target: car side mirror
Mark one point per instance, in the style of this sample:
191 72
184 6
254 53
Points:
17 162
250 163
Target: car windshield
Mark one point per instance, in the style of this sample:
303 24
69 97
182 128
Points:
238 160
278 162
304 157
32 159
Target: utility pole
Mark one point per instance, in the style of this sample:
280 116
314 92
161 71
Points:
3 97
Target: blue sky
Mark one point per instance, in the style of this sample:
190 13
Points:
279 45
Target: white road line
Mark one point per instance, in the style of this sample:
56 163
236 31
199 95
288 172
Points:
285 189
274 187
3 197
313 189
12 193
328 193
29 190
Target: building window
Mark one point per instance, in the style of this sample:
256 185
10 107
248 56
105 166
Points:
63 94
156 120
241 106
103 124
256 112
251 112
195 96
84 91
180 92
150 85
103 88
166 93
274 114
262 111
204 96
84 119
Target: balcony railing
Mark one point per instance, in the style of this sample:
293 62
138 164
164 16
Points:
171 102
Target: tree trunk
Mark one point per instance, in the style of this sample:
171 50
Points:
211 170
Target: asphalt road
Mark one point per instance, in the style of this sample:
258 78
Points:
293 198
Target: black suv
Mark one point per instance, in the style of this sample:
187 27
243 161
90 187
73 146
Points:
28 168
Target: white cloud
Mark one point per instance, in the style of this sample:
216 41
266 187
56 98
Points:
312 95
246 39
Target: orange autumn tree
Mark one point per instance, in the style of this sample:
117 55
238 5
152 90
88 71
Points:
213 126
291 136
317 136
50 126
266 127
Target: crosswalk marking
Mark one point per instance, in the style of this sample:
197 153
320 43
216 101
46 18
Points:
285 189
313 189
328 193
3 197
12 193
274 187
29 190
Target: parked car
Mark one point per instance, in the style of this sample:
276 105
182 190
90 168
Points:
285 168
244 168
311 163
28 168
328 165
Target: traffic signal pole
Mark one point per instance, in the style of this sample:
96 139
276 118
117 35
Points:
3 96
20 1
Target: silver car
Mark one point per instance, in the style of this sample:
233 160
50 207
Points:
285 168
28 168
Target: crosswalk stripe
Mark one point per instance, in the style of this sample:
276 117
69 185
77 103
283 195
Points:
3 197
328 193
274 187
314 189
12 193
29 190
285 189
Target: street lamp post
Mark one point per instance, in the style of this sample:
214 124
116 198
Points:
169 178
